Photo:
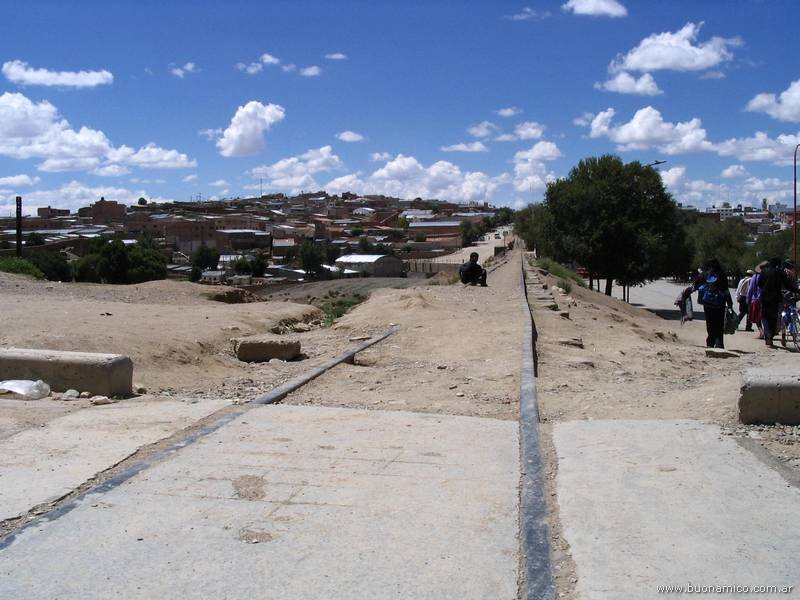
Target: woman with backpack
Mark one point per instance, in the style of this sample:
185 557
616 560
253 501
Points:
713 293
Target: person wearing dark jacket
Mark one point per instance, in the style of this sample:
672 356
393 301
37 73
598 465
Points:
713 293
772 281
471 272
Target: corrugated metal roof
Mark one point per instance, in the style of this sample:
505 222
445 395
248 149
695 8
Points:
362 258
435 224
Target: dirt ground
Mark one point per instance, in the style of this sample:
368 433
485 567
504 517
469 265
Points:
457 351
178 339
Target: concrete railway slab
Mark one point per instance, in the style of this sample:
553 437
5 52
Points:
650 504
295 502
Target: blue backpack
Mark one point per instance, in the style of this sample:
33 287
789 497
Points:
710 294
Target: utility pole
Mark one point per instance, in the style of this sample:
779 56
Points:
19 226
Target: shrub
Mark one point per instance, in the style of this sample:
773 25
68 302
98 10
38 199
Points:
338 308
565 285
86 268
559 270
53 264
12 264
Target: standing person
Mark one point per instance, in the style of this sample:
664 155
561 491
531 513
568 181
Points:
713 294
773 281
741 297
754 300
471 272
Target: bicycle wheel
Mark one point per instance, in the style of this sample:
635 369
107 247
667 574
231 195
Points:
796 332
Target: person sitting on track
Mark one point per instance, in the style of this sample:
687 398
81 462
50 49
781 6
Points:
472 273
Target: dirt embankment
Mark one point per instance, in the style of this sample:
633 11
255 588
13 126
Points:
178 338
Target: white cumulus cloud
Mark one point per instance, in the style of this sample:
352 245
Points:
647 129
350 136
35 130
336 56
111 171
510 111
379 156
189 178
529 130
268 59
530 172
250 68
151 156
761 147
219 183
785 107
676 51
596 8
18 181
465 147
734 171
313 71
181 72
19 72
296 172
625 83
527 14
482 129
406 177
245 134
539 151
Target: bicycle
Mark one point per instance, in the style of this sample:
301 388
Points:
790 323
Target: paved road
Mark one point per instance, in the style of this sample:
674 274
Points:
484 248
295 502
659 297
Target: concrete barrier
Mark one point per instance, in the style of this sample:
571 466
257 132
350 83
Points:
103 374
770 396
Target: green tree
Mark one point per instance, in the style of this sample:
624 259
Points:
504 216
724 240
113 264
402 223
205 258
365 246
145 262
258 266
34 239
86 268
242 266
311 258
614 218
331 253
775 245
468 232
53 264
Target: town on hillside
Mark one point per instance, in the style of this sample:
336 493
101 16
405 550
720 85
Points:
259 241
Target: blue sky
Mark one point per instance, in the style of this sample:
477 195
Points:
464 101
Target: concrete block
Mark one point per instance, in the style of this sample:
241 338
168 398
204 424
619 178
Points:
261 348
770 396
104 374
